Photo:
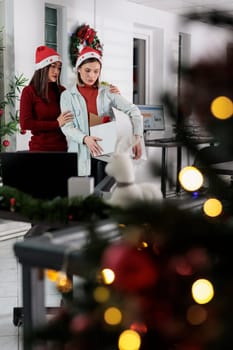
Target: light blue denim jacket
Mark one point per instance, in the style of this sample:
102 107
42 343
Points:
75 131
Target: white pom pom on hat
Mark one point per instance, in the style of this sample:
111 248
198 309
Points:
45 56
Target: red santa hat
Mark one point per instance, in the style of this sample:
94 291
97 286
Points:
88 52
45 56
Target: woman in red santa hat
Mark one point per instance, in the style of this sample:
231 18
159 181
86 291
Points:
89 100
40 104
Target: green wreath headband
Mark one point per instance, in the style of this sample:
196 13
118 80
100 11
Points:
84 43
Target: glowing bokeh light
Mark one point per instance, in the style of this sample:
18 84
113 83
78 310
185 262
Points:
63 283
108 276
196 315
195 194
190 178
222 107
101 294
182 266
212 207
202 291
129 340
113 316
52 275
142 245
139 327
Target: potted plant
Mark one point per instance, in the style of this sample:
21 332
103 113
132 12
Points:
9 124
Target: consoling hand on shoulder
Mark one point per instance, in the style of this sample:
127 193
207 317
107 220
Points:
65 117
114 89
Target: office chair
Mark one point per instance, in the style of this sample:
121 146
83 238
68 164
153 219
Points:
209 156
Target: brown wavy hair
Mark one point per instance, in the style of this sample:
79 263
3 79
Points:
40 82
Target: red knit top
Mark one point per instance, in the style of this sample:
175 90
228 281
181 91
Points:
41 118
90 95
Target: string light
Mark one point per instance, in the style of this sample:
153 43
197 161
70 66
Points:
63 283
101 294
202 291
51 275
60 278
142 245
129 340
190 178
222 107
212 207
108 276
196 315
112 316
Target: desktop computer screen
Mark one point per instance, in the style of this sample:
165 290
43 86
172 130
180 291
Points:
42 175
153 117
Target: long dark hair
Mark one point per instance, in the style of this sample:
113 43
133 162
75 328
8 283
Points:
88 60
40 82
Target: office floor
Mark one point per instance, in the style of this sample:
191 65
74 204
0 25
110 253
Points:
10 291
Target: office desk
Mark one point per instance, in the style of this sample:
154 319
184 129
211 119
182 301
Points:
164 144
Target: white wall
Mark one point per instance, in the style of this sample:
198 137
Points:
114 21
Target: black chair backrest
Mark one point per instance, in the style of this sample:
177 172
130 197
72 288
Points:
211 155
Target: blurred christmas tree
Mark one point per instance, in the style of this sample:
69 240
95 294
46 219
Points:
9 123
167 282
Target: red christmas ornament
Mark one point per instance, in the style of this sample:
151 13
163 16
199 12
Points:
135 270
12 204
6 143
81 323
1 112
12 201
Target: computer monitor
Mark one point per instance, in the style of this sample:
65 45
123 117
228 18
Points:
153 117
42 175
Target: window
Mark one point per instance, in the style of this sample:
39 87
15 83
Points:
51 24
55 37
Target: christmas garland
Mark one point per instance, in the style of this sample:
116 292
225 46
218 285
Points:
58 210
